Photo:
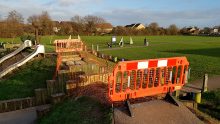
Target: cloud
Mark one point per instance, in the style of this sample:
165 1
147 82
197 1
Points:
164 18
121 15
75 2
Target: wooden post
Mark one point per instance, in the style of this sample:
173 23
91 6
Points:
189 73
92 47
71 86
97 48
58 97
177 93
36 36
186 76
38 96
115 59
41 96
50 86
205 83
198 97
6 106
85 48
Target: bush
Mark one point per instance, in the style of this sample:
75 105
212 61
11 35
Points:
28 37
212 97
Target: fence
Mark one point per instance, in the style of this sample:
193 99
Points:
16 104
140 78
69 45
71 79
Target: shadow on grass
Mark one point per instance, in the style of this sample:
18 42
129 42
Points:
214 112
84 110
214 52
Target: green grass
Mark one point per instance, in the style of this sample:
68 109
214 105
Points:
85 110
203 53
211 103
24 80
45 40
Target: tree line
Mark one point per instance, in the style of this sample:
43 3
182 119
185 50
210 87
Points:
14 25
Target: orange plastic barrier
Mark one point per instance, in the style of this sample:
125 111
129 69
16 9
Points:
69 45
140 78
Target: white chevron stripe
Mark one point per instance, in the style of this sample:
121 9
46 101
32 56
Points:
162 63
142 65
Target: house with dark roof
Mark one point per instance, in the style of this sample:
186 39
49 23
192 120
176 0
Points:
216 29
193 30
137 26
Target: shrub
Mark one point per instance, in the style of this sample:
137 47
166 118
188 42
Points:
28 37
212 97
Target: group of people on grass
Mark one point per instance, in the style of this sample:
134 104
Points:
121 42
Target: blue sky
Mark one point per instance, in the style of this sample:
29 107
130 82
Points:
121 12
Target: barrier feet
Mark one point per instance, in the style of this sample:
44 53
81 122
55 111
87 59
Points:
128 105
169 98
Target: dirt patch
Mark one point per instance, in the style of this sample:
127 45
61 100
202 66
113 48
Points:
97 90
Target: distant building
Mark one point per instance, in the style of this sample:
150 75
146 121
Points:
216 29
137 26
56 26
193 30
104 27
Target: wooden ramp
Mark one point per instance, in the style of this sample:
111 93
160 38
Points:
156 112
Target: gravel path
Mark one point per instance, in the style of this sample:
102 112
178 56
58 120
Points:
213 82
24 116
156 112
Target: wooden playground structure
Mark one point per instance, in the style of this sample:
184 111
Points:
76 67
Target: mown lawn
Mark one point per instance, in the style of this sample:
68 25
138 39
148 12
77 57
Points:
24 80
85 110
203 53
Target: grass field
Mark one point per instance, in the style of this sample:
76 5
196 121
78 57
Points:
85 110
203 54
24 80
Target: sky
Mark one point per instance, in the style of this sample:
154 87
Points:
201 13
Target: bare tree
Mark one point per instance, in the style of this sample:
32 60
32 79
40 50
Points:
91 22
207 30
78 24
35 21
77 19
15 17
42 24
46 23
154 27
173 30
13 24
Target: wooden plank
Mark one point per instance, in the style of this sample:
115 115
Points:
41 96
